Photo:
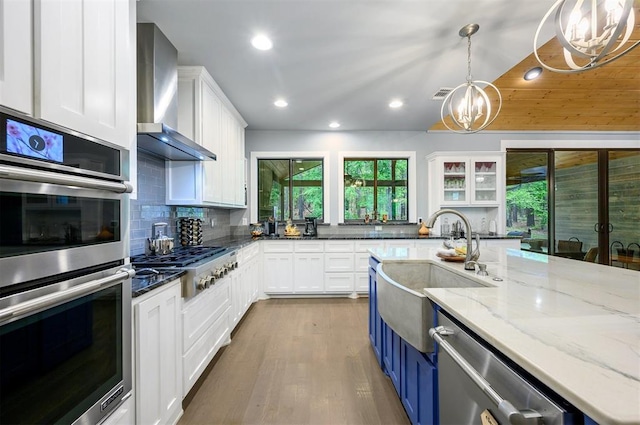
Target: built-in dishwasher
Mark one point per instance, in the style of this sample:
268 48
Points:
475 386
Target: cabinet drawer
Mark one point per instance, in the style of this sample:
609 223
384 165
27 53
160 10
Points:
338 262
361 262
338 246
309 246
338 282
248 252
363 246
200 312
277 246
362 282
400 243
198 357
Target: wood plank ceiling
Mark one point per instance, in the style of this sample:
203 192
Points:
604 99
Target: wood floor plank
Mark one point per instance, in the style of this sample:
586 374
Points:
298 361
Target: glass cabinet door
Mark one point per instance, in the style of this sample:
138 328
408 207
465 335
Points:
484 177
454 183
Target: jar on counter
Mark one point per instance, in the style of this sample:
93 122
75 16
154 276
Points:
257 229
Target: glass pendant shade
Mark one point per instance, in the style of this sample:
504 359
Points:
592 32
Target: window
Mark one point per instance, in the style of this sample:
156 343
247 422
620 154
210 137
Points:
290 188
376 187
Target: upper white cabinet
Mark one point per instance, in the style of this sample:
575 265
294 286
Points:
83 72
206 115
16 61
468 181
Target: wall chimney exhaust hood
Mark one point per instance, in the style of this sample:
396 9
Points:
157 76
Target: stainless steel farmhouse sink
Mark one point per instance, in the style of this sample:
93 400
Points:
402 303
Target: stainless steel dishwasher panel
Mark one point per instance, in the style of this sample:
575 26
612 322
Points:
462 398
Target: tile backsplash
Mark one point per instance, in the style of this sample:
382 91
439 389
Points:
150 207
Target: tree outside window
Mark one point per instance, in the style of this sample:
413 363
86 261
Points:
376 187
290 189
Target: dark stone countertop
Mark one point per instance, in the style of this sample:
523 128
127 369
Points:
145 282
237 242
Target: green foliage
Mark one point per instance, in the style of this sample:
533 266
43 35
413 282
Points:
533 196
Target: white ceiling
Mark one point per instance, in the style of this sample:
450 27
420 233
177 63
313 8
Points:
345 60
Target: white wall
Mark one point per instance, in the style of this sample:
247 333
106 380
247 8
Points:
420 141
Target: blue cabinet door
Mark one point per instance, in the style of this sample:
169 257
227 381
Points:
418 386
375 321
391 355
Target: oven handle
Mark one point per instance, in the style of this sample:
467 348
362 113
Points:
28 307
516 417
39 176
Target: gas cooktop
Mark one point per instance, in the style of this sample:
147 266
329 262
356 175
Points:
180 257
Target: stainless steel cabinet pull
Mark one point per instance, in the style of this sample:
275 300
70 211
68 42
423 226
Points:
39 176
62 296
516 417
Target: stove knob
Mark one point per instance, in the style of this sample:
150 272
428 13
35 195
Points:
235 265
208 282
212 279
202 284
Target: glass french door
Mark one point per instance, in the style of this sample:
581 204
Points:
579 204
623 227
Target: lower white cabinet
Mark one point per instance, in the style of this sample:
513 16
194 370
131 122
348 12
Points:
278 273
158 366
308 272
244 283
340 282
205 321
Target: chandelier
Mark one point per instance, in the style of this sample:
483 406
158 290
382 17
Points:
592 32
468 105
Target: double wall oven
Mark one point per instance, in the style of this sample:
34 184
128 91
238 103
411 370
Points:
65 287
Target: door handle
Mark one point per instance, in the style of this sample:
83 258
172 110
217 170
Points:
596 227
516 417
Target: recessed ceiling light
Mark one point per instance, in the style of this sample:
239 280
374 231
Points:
395 104
281 103
261 42
533 73
334 124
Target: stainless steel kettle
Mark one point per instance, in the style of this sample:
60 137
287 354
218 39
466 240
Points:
159 243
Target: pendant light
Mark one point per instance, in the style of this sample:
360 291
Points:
468 105
592 32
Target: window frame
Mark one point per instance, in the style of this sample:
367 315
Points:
311 155
410 156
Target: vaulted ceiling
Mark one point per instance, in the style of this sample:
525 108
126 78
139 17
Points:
603 99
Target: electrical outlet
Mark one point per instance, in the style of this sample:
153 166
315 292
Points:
419 220
378 228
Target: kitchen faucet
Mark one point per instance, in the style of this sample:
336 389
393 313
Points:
471 259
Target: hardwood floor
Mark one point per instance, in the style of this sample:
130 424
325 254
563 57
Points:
298 361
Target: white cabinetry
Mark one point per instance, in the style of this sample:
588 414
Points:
339 262
206 115
205 323
16 60
471 182
277 267
244 283
158 366
84 75
308 267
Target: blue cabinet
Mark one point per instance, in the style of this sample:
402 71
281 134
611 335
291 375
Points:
375 321
391 355
418 386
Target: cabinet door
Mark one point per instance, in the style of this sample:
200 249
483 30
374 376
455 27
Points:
485 178
391 356
417 385
339 283
454 181
278 273
362 283
85 66
211 115
158 357
375 321
16 61
226 157
308 273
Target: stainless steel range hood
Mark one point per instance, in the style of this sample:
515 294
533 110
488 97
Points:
157 99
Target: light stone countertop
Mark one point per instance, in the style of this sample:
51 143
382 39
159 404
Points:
575 326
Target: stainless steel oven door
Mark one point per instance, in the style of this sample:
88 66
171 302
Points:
54 223
65 350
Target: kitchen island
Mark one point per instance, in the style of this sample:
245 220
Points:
573 326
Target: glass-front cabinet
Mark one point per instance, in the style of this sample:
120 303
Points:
465 181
